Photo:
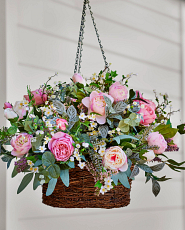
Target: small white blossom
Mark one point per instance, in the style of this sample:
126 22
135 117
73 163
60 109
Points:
103 190
118 129
72 158
101 151
48 112
39 132
42 148
92 117
48 124
82 116
42 182
52 133
47 139
108 186
78 146
30 163
108 180
41 176
134 103
81 165
46 102
93 124
86 145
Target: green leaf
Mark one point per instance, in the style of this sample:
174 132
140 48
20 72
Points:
64 175
115 178
155 187
37 163
135 172
144 167
123 126
28 126
124 179
175 163
98 184
36 181
157 167
54 171
51 186
48 159
25 181
71 164
118 138
12 130
166 131
38 142
181 129
120 106
14 172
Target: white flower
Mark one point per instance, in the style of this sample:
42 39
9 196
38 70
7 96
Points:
25 102
76 150
103 190
48 112
142 106
9 113
81 165
30 163
76 155
128 106
78 146
101 151
108 186
52 133
72 158
86 145
46 102
56 88
39 132
95 148
92 117
48 124
108 180
36 170
44 118
47 139
42 148
93 124
134 103
118 129
124 112
82 116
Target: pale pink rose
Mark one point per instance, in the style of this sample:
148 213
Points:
7 105
20 109
9 113
96 103
39 97
61 123
21 144
156 138
151 103
115 158
78 78
150 155
118 92
61 146
148 113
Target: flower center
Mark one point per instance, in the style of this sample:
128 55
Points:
100 102
21 140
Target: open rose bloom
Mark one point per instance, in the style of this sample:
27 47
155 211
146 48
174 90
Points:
99 126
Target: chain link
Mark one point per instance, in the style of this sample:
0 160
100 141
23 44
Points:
78 59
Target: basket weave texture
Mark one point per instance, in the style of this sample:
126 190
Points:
80 193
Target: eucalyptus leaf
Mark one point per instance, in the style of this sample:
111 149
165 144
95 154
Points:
37 163
25 181
144 167
120 106
64 175
71 164
36 181
115 178
124 179
121 137
14 172
51 186
54 171
123 126
48 159
71 112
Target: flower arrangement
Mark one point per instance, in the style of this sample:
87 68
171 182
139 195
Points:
96 124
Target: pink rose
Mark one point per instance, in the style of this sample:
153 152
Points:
61 146
20 109
61 123
21 144
148 113
78 78
96 103
7 105
39 97
115 158
152 104
118 92
156 138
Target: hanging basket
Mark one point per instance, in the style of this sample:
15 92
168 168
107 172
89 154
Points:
80 193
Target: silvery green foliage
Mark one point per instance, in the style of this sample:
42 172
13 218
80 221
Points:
106 111
109 104
135 171
120 106
103 129
60 108
135 156
155 187
116 116
135 109
128 152
96 160
157 167
72 113
110 122
144 167
72 122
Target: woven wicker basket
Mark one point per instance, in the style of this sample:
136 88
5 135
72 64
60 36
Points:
80 193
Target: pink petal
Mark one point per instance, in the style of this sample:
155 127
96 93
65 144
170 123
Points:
58 135
124 168
93 94
101 119
86 101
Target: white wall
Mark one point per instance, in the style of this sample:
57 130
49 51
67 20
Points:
2 120
141 36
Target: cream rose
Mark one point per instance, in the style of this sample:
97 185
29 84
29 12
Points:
115 158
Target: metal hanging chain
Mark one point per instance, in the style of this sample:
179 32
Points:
80 41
